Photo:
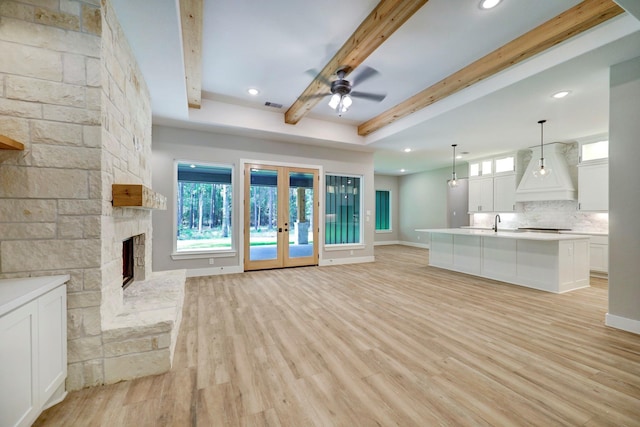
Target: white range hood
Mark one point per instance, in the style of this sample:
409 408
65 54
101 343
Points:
555 186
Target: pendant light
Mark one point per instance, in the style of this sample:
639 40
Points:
453 182
541 171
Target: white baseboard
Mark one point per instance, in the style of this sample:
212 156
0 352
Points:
388 242
342 261
618 322
213 271
415 245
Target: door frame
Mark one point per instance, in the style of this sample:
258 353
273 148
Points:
319 223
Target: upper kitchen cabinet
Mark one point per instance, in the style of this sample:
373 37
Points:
492 184
593 185
593 177
481 195
504 193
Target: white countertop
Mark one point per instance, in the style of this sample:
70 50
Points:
506 234
16 292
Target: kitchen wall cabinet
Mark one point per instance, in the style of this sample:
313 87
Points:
504 193
593 186
481 194
33 347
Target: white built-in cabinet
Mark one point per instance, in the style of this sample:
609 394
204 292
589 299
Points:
481 194
593 185
33 347
492 184
504 193
599 261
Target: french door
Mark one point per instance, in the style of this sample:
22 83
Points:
280 216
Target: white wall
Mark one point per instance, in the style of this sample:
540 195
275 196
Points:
624 197
423 202
389 183
170 144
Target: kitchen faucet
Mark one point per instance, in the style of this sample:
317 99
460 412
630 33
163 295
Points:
495 223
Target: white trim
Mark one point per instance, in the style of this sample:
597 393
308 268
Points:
623 323
200 255
415 245
388 242
213 271
327 247
384 231
344 247
342 261
174 204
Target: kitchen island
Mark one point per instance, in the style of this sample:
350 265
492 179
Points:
545 261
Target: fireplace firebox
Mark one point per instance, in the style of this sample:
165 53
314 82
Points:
128 262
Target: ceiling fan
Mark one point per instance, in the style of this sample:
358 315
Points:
341 89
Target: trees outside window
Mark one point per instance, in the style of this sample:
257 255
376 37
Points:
204 207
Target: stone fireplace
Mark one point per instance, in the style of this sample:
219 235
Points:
79 104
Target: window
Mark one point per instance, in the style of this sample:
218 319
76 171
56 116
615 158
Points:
594 151
204 203
343 206
506 164
383 210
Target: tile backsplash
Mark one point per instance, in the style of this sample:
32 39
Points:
552 214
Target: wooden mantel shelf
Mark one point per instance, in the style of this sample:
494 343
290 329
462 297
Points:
137 196
7 143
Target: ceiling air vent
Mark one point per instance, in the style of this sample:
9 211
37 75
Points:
273 104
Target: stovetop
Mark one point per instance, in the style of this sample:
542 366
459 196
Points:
544 229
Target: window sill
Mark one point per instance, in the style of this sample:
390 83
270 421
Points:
329 248
383 231
202 254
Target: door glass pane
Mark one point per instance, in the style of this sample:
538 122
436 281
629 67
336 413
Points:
263 233
300 214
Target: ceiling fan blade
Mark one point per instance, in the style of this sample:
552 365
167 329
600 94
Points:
370 96
365 73
315 73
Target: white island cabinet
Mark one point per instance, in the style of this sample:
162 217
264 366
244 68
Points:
549 262
33 347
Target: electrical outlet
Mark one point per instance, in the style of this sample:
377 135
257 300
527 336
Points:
211 261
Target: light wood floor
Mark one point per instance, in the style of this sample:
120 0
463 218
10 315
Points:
394 342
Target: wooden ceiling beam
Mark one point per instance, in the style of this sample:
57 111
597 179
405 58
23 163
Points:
574 21
384 20
191 20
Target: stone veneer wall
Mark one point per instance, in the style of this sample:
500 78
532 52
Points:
71 92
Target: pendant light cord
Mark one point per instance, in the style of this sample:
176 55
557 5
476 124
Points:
542 122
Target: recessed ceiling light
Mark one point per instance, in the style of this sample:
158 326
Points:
407 150
402 170
192 166
561 94
489 4
253 91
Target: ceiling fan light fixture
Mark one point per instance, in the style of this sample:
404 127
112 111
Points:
346 103
489 4
334 101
